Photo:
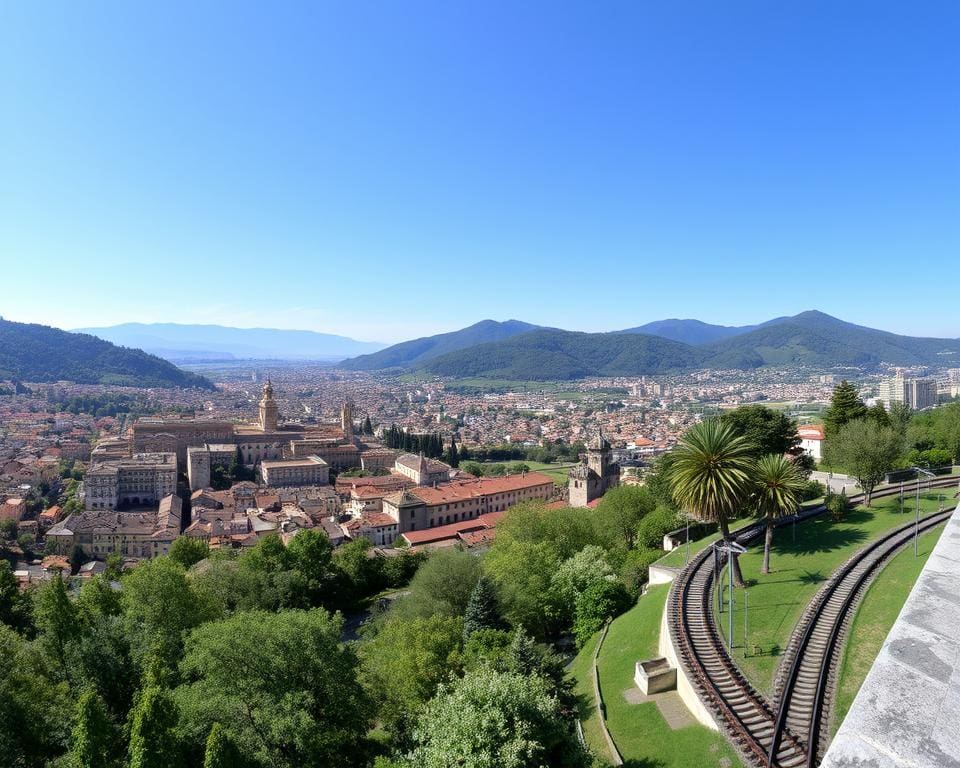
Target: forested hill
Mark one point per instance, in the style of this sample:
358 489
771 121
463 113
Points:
811 338
557 355
817 339
409 354
30 352
690 331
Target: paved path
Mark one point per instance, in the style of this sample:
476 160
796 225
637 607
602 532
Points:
835 481
669 703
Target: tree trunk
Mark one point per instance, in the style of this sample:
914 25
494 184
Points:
767 543
734 560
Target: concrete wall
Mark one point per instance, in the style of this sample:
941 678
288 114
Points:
908 709
688 693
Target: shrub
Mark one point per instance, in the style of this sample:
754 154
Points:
655 526
635 571
601 601
813 490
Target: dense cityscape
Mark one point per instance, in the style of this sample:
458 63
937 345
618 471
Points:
479 385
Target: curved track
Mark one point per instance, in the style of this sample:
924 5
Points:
769 735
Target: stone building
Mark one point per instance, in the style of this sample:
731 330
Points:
421 470
595 475
132 534
265 440
201 459
426 507
140 480
311 470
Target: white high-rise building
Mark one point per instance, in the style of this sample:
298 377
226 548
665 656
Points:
917 393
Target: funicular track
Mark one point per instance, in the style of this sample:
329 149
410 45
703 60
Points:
778 734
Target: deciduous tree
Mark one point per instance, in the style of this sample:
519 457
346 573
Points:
868 451
282 686
491 719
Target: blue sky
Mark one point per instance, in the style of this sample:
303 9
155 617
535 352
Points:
391 169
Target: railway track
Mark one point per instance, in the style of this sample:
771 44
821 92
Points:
768 734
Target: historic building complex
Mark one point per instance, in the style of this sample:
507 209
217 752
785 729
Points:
139 480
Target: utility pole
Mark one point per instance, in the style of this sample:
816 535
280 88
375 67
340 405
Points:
916 527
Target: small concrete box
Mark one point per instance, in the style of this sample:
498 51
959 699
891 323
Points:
655 676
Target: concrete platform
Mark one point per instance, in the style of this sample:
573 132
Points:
907 712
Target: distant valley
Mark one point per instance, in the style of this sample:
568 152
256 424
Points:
181 343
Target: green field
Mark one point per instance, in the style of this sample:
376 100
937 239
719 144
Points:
639 730
798 569
875 616
677 558
557 472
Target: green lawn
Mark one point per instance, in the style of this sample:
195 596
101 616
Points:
875 616
639 730
677 558
557 472
798 569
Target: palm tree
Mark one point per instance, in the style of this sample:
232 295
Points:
778 487
710 476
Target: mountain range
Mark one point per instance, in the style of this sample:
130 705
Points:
30 352
691 331
516 350
174 341
410 354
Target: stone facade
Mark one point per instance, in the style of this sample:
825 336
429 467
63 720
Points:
595 475
424 507
311 470
421 470
201 460
142 479
132 534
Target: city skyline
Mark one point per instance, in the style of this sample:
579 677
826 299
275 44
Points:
385 174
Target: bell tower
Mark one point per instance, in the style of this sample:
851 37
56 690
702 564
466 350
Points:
268 409
346 419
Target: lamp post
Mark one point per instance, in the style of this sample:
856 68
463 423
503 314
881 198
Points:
916 527
731 548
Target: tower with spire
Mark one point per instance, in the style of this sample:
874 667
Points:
269 415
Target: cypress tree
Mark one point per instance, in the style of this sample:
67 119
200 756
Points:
93 736
153 742
453 458
845 406
482 611
220 752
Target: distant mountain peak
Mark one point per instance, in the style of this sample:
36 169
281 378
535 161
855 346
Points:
417 351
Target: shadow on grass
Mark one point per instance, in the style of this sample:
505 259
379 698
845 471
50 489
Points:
811 577
645 763
824 538
584 705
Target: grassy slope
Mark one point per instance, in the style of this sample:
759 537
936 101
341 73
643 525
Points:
875 617
677 558
639 730
798 570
